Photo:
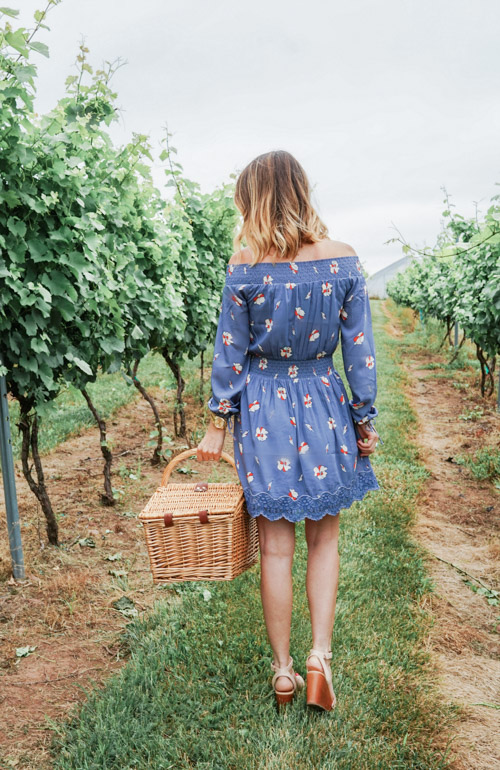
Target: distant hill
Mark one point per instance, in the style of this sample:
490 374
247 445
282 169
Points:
379 280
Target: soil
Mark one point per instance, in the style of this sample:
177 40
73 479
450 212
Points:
458 523
64 608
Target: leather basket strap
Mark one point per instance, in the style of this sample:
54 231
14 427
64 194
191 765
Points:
168 518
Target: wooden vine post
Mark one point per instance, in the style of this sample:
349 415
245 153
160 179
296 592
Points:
9 485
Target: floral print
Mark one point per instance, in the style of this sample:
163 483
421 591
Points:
273 378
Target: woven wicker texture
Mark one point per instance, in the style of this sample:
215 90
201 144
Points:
219 544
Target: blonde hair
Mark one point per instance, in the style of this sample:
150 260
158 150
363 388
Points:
273 196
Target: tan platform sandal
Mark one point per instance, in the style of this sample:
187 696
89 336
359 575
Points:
319 681
286 696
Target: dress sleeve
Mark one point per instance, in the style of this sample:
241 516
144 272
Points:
358 350
231 357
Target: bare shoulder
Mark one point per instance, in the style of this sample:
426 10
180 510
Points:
338 249
326 249
243 255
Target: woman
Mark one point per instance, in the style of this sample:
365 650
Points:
287 298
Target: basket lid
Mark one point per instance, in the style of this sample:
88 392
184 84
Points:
189 499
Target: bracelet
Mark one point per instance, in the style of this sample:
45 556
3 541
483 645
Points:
218 421
372 428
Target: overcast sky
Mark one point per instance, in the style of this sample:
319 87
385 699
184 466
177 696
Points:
383 103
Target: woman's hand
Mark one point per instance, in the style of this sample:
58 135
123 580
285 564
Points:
210 447
366 447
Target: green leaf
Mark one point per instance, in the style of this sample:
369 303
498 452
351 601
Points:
92 241
16 226
126 606
114 556
112 344
30 364
59 167
137 333
46 376
40 48
38 345
21 652
29 324
83 365
9 12
66 308
17 40
46 295
76 261
60 285
73 161
36 249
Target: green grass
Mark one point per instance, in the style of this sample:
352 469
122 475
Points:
485 464
195 690
473 415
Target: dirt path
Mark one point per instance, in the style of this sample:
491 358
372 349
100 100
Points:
65 606
459 522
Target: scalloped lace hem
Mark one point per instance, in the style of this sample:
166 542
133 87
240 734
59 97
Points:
307 507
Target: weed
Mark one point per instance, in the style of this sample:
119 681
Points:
472 414
484 464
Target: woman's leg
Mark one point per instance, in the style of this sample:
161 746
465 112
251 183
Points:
277 545
322 578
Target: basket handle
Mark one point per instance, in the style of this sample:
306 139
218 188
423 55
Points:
182 456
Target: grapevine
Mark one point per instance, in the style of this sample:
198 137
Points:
459 282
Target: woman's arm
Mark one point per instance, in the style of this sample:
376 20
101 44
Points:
358 350
231 359
229 366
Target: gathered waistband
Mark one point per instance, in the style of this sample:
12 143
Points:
292 367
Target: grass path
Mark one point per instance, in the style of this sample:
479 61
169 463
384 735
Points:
195 690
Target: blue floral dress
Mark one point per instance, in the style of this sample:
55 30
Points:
273 376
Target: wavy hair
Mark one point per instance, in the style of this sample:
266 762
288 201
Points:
273 195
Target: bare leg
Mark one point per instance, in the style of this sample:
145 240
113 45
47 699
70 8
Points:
322 578
277 545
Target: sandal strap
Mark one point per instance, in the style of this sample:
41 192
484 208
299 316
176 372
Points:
285 671
323 656
321 653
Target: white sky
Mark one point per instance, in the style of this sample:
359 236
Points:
383 103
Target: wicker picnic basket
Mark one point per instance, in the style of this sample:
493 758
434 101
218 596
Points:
200 530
